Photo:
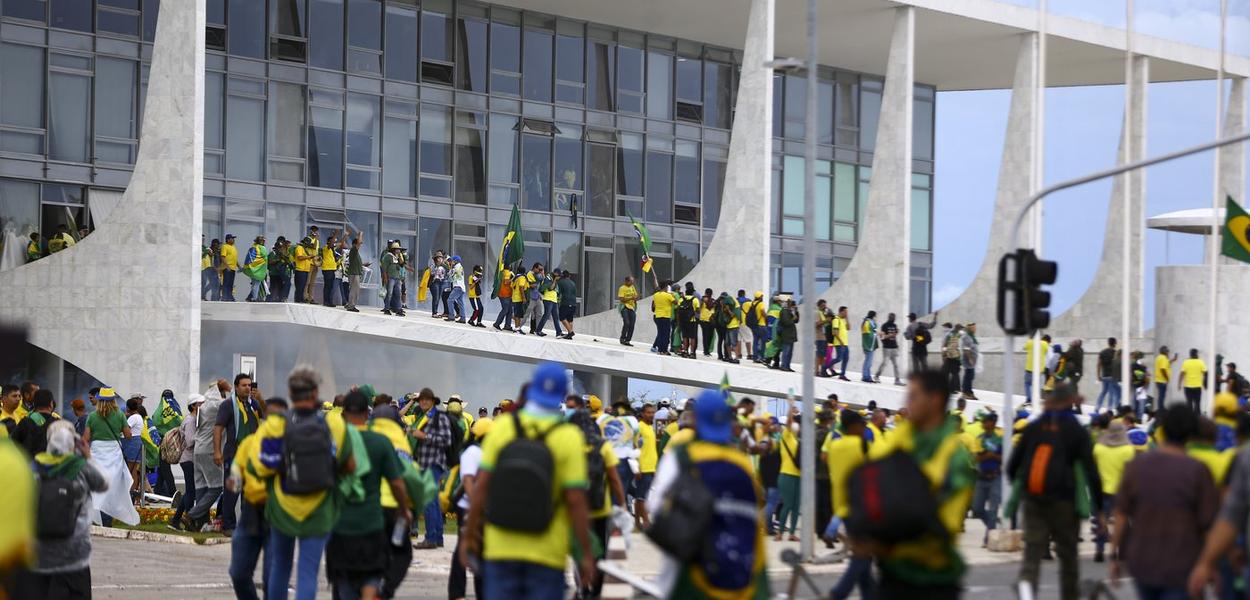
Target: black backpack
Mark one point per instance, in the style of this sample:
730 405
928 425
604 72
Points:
920 337
60 499
308 459
457 440
520 496
685 310
892 502
596 476
680 526
749 313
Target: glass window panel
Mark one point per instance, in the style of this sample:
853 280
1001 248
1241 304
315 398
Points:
870 102
151 10
687 172
537 71
325 147
22 105
569 58
363 130
843 232
568 157
287 17
286 220
566 254
471 64
865 182
659 86
793 186
718 94
505 58
325 34
629 62
844 192
920 216
779 107
629 165
286 120
19 207
600 71
435 130
659 201
246 29
401 42
685 257
364 23
470 166
536 172
503 149
602 161
366 223
245 144
689 79
436 33
433 234
847 109
922 130
68 123
824 108
215 12
713 187
115 103
796 106
824 218
627 262
599 287
214 84
35 10
122 23
71 14
400 166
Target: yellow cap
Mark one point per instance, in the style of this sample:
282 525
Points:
759 294
594 403
482 427
1225 404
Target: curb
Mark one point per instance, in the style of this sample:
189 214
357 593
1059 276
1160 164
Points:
151 536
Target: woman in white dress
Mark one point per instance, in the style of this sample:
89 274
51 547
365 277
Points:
106 430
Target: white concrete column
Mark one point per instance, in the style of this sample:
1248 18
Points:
978 303
1094 315
878 277
1233 158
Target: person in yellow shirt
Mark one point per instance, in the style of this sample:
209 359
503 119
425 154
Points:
11 410
627 295
304 253
662 304
520 283
842 456
601 510
838 335
1112 453
788 480
1034 362
504 320
230 264
686 321
329 269
707 325
1193 379
1163 374
648 457
1201 447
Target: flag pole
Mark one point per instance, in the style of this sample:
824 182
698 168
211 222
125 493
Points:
1213 243
1127 223
807 348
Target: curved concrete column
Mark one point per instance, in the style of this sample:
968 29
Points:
738 257
1233 158
978 303
1095 314
878 277
124 303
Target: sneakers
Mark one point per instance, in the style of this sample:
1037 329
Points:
427 545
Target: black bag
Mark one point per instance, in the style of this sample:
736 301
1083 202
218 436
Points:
596 477
457 440
308 459
685 310
681 524
921 336
60 499
521 484
891 501
749 313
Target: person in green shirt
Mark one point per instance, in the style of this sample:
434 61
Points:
392 280
566 290
354 271
357 553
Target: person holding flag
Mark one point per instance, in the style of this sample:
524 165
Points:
511 252
166 417
644 242
256 267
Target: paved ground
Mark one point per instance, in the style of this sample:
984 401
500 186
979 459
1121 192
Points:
139 570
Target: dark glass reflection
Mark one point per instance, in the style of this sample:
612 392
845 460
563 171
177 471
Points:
536 172
216 12
600 76
436 36
325 148
151 10
602 181
537 72
325 33
717 95
471 64
246 30
659 201
470 166
401 42
629 166
71 14
713 187
505 59
364 21
35 10
570 56
287 17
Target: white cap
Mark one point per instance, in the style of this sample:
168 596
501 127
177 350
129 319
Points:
196 399
662 414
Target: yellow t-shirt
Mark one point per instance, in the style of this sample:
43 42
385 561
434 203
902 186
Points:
842 456
1163 369
705 311
789 446
609 462
662 302
1192 372
551 295
329 261
303 259
230 257
1217 462
683 436
671 429
647 456
519 284
839 328
630 295
1111 461
549 548
1028 355
206 260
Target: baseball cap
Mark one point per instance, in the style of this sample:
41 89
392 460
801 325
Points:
230 236
713 418
594 403
549 386
107 394
195 399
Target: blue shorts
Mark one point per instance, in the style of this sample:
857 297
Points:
132 449
518 309
640 487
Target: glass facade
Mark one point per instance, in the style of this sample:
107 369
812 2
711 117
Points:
426 120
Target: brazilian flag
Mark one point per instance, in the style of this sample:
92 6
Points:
1236 231
644 240
511 251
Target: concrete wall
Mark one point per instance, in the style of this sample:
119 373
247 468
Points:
123 304
1181 316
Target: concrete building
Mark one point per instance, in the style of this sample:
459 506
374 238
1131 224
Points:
424 122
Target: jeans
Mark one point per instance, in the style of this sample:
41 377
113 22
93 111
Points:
663 334
1104 515
1157 592
328 286
1028 385
858 573
257 291
458 579
889 355
204 501
281 555
455 306
787 352
504 318
628 317
301 282
210 286
533 314
245 547
709 336
227 285
353 291
772 499
164 480
279 286
822 348
1110 390
550 312
866 374
986 497
436 295
919 359
433 513
841 354
789 485
394 299
1193 396
517 580
1161 393
228 500
762 334
188 494
1046 521
970 374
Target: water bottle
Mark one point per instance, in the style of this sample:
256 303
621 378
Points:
399 535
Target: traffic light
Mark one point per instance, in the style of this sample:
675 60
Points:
1023 306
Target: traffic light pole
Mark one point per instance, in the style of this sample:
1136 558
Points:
1010 339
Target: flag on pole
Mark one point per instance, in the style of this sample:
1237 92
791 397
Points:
724 389
1236 231
511 250
644 240
165 417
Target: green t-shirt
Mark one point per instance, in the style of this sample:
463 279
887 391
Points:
104 430
365 516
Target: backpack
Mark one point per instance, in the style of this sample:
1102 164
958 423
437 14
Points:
308 460
891 501
596 477
950 349
681 524
920 337
172 446
457 441
60 499
685 310
520 496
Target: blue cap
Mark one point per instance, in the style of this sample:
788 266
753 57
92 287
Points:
549 386
456 258
713 417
